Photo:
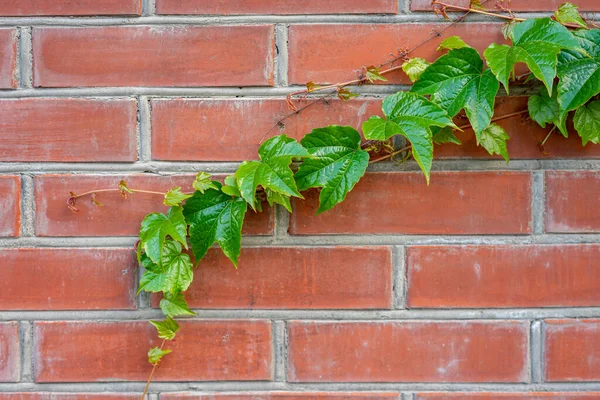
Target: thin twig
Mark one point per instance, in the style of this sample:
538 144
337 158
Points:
152 373
390 155
500 118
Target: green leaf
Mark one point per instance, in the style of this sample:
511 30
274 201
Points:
579 73
215 217
156 354
508 29
345 95
374 74
414 67
156 227
174 197
272 171
337 164
203 182
377 128
174 305
230 187
587 122
543 109
445 135
451 43
274 197
153 279
458 81
167 328
567 14
173 275
493 139
536 42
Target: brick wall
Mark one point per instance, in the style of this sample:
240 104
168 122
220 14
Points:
483 285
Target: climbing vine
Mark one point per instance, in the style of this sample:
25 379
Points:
562 55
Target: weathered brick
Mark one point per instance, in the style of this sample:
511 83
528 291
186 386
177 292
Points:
402 203
10 205
67 130
572 350
10 352
67 396
73 7
209 129
8 58
118 216
295 278
515 5
572 201
508 396
503 276
154 56
407 351
275 7
281 396
204 351
348 47
67 279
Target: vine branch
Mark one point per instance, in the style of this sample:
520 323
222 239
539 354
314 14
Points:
152 373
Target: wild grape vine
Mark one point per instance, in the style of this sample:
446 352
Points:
562 55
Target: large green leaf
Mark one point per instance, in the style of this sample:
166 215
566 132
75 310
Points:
412 116
272 171
337 164
587 122
458 81
493 139
155 229
536 42
579 73
544 109
173 305
215 217
153 279
174 274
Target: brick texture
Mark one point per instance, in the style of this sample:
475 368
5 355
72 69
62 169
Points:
66 396
515 5
10 205
8 58
508 396
572 350
407 352
204 351
70 7
480 203
153 56
67 279
518 276
68 130
10 352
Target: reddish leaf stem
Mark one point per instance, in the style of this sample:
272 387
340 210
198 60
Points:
152 373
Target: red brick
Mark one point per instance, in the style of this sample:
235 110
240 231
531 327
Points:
515 5
204 351
10 350
525 138
281 396
407 351
154 56
334 277
508 396
572 350
73 7
348 47
8 58
229 7
209 129
10 205
572 201
66 130
67 396
503 276
402 203
67 279
118 217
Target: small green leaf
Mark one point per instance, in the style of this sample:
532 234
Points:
311 86
414 67
374 74
508 29
377 128
444 135
476 5
156 354
345 95
544 109
173 305
587 122
167 328
275 197
337 164
451 43
493 139
174 197
215 217
153 279
155 229
230 187
567 14
203 182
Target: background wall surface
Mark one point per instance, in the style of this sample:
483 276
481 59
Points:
483 285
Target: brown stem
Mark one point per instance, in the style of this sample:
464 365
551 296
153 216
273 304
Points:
116 190
152 373
387 156
500 118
